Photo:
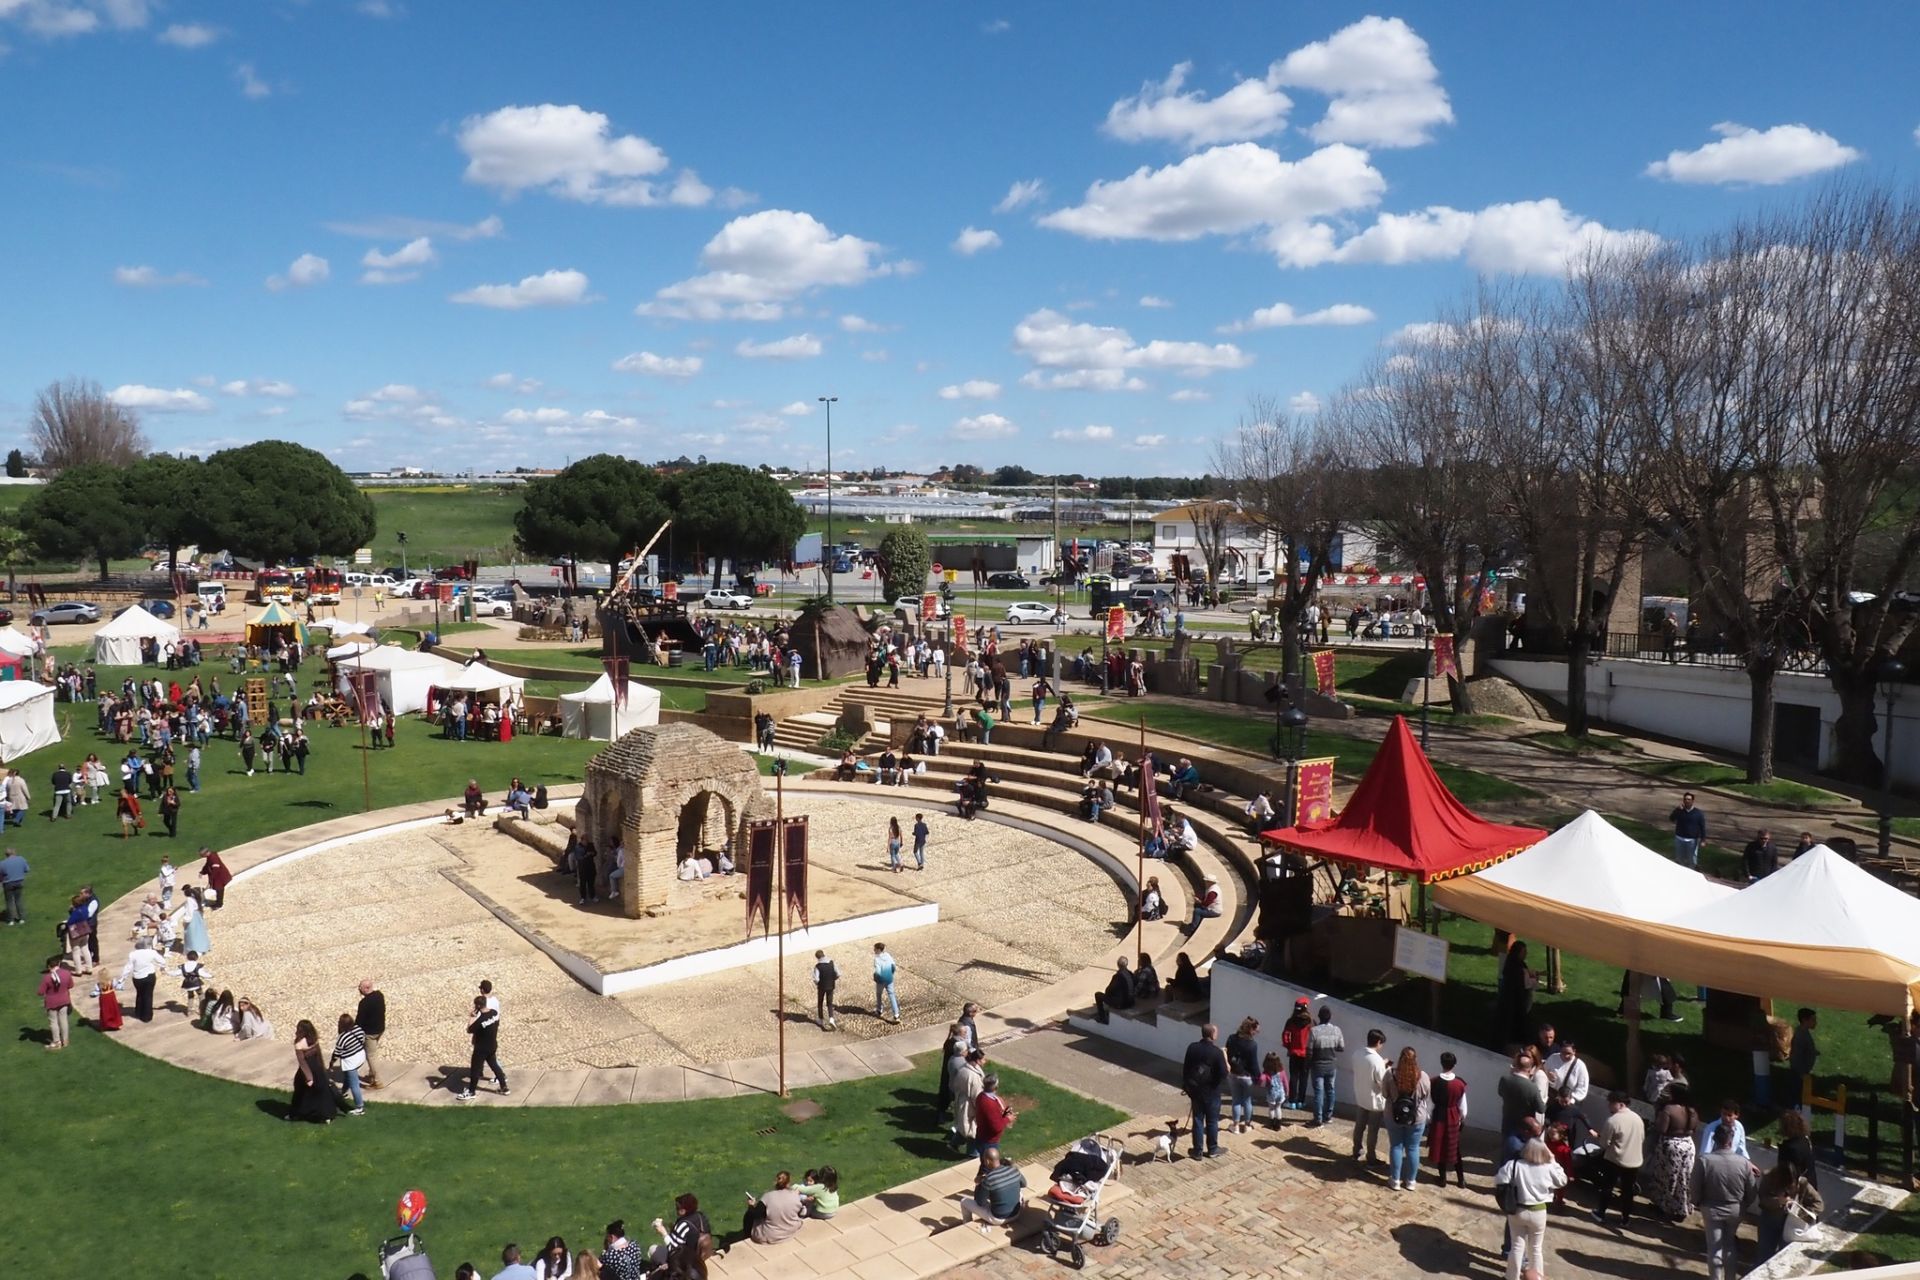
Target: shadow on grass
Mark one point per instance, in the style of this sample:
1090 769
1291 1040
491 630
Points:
35 1035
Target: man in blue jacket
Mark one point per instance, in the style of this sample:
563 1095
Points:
1689 830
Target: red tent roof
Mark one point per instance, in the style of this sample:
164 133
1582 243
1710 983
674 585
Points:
1403 818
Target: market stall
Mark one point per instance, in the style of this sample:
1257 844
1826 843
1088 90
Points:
275 627
118 643
406 676
484 688
26 718
591 713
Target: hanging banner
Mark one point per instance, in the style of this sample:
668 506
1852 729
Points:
1116 622
1315 791
1444 662
795 849
1323 672
364 683
1149 796
669 591
960 632
760 854
929 607
616 668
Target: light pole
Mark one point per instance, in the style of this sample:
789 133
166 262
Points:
828 552
1426 683
1290 731
1890 673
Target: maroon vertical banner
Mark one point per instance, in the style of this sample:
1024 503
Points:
366 691
1444 662
1323 672
795 839
760 854
616 668
1149 798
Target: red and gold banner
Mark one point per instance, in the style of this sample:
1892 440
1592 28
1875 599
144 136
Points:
1444 662
960 632
1149 798
796 855
669 591
929 607
616 668
1314 797
1323 672
1116 622
759 869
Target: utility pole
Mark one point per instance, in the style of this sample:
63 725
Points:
828 552
1059 567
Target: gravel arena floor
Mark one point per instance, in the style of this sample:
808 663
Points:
1017 913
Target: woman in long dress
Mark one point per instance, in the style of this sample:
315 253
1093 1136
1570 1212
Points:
1670 1168
313 1099
1449 1118
190 923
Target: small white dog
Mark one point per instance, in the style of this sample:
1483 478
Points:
1163 1142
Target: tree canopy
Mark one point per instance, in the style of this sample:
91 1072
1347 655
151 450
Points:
725 510
83 514
905 560
166 497
598 509
276 501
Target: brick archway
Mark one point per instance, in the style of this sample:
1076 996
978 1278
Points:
661 787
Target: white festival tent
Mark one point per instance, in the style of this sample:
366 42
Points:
339 628
26 718
590 713
405 675
478 677
341 652
118 643
17 643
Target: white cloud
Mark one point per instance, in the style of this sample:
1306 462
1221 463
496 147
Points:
801 346
573 153
1220 191
798 409
996 27
1067 355
972 240
987 426
758 263
1539 236
159 399
306 270
189 35
1162 112
1303 403
1086 435
394 227
1190 395
1153 302
519 386
875 355
251 85
972 389
1384 87
658 366
548 289
1421 333
1031 190
561 422
144 277
398 393
270 387
1281 315
859 324
1142 443
398 266
1762 157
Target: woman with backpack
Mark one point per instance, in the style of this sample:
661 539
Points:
1409 1107
1525 1185
1243 1064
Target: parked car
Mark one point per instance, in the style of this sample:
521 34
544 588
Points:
67 611
719 599
492 607
1259 577
1142 598
187 567
159 607
1008 582
1147 574
910 605
1031 611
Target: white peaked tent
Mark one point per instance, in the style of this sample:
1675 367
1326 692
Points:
118 643
26 718
339 628
17 643
405 675
478 677
590 713
341 652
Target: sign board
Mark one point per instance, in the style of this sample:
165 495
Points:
669 591
929 607
363 556
951 575
1421 954
939 568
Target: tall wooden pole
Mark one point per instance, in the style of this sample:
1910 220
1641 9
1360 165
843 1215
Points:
1140 851
780 892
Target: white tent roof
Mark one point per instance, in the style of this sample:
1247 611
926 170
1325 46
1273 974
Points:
1817 900
26 718
348 649
340 628
590 713
15 692
1592 863
18 643
478 677
137 622
601 690
391 657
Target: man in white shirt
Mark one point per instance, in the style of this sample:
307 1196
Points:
143 966
1729 1117
1370 1096
1180 836
1567 1071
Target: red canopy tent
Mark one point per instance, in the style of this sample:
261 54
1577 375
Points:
1402 818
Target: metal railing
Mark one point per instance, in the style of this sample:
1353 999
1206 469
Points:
1652 647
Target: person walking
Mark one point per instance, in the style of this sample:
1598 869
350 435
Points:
371 1017
1622 1152
1724 1185
1325 1044
1370 1096
313 1097
894 843
143 969
170 811
483 1025
19 797
247 750
826 976
1202 1071
1243 1064
193 767
884 973
1530 1180
969 1081
920 833
1689 832
1449 1121
1409 1108
13 882
350 1055
56 995
62 783
1670 1170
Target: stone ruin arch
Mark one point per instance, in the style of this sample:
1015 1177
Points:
664 790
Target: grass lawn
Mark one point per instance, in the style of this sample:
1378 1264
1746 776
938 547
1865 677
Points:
268 1191
444 523
1592 744
673 697
1255 736
1895 1238
1701 773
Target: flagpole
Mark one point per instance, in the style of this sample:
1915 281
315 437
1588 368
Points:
1140 850
780 892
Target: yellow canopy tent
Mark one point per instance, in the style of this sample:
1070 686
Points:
275 623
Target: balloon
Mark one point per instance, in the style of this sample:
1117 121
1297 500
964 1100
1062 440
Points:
412 1208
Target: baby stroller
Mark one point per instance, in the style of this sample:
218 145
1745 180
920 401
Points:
1073 1201
403 1258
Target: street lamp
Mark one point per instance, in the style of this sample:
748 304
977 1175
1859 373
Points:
1890 673
828 552
1291 730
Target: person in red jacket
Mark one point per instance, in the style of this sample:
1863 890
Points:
1293 1038
991 1117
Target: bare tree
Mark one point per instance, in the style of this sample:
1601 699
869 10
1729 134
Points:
75 423
1291 483
1213 526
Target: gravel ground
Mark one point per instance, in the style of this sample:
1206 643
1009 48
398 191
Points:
1017 912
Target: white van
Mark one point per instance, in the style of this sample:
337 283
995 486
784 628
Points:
213 594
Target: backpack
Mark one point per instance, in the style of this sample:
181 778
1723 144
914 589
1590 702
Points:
1507 1194
1406 1108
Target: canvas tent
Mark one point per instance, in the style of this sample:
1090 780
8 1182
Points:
1402 818
118 643
405 675
342 652
17 643
339 628
26 718
275 624
590 713
478 677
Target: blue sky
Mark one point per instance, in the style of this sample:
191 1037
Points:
1071 236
